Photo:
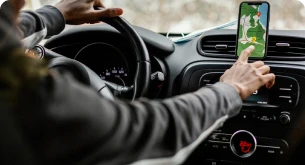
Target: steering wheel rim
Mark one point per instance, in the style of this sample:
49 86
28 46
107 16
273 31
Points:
143 69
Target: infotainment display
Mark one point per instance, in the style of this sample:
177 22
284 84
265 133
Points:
260 96
284 93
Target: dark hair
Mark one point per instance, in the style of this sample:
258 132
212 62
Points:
17 72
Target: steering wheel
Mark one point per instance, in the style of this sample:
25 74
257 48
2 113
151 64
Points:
85 75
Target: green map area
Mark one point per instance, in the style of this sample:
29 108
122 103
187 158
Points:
251 30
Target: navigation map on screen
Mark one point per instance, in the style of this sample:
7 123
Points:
252 28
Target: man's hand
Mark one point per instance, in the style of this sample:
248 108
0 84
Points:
82 11
247 78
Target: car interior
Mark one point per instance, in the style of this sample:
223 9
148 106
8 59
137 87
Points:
120 60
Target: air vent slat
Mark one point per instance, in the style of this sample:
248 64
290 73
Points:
233 42
285 54
220 51
279 47
300 48
208 46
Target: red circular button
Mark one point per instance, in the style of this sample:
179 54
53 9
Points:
243 144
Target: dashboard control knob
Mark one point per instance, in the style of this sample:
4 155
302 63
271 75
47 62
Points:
243 144
285 119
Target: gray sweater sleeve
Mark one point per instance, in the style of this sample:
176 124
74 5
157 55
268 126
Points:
68 123
36 25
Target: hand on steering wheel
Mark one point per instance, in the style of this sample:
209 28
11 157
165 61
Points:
83 11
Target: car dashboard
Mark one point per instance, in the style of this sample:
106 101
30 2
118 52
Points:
269 128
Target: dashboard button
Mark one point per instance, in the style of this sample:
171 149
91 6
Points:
244 116
243 144
285 119
266 118
272 143
220 162
282 152
220 137
225 138
225 147
213 162
214 137
215 145
265 151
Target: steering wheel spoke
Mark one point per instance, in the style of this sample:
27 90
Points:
118 90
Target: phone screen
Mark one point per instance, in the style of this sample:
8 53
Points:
253 28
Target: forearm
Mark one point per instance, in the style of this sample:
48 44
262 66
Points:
182 123
74 120
35 26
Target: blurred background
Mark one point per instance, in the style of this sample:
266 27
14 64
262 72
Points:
191 15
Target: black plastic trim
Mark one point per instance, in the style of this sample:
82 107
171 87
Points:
154 41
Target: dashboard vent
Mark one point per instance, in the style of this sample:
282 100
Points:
218 45
279 47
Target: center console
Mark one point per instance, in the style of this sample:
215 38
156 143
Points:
265 130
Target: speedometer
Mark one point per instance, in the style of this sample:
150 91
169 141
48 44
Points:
117 75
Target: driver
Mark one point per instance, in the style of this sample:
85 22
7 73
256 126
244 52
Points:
65 122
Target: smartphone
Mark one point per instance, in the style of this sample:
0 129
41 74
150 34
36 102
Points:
253 28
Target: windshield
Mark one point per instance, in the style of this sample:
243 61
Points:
184 16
